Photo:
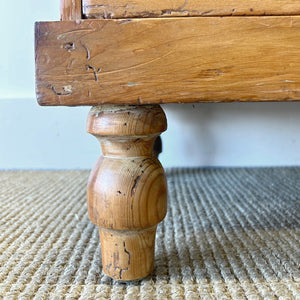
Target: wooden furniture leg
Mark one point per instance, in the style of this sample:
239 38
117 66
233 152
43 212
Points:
127 190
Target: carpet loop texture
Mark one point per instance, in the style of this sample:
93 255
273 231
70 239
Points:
230 233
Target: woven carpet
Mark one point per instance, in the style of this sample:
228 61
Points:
229 234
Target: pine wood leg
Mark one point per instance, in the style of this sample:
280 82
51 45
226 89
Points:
127 190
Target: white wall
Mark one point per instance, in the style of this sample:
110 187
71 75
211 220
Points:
17 44
233 134
240 134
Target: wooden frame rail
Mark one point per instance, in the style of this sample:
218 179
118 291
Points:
116 9
143 61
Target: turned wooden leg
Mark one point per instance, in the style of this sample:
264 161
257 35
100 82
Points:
127 189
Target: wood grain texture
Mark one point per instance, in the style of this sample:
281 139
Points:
70 10
127 189
183 60
107 9
127 255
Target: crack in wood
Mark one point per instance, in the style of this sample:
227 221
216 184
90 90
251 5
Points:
129 261
88 54
94 70
136 180
125 21
121 272
127 252
183 5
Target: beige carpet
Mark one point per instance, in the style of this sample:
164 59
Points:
229 234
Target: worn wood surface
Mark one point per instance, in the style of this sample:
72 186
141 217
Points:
167 60
127 189
127 255
107 9
70 10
